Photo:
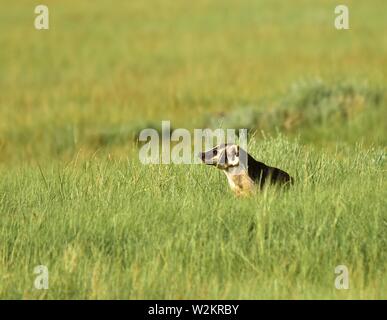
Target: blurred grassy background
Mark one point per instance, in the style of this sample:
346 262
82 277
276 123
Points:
104 70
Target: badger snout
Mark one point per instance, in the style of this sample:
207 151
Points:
202 156
206 157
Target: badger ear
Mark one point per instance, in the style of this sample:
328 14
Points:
233 155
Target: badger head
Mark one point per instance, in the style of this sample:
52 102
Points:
224 156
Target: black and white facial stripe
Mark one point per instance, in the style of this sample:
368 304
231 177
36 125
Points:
222 156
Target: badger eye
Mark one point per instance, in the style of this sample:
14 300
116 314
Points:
215 152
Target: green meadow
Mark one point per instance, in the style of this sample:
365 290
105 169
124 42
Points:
75 198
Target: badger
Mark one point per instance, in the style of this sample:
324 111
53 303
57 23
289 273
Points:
244 173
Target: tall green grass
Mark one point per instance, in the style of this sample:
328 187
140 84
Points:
119 229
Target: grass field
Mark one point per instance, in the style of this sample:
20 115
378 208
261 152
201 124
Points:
75 198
